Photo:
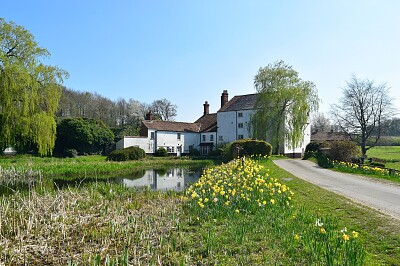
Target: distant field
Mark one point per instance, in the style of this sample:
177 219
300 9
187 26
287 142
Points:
393 166
389 141
385 152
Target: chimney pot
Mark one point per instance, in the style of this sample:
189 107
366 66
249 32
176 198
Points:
224 98
149 116
206 108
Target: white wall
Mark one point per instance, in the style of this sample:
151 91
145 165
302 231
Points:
142 142
208 137
228 123
170 139
191 139
162 139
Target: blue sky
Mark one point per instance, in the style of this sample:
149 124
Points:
189 51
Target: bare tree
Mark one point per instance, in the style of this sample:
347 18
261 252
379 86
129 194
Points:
362 110
320 122
164 109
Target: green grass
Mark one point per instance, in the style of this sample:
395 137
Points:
389 153
379 234
93 165
393 165
105 224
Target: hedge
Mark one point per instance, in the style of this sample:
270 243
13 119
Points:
130 153
248 147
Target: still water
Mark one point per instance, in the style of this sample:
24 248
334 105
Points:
154 179
172 179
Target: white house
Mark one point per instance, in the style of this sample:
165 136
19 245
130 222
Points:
230 123
176 137
233 119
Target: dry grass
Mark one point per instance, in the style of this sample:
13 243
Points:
92 226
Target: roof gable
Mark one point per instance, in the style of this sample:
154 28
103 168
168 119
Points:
241 102
208 123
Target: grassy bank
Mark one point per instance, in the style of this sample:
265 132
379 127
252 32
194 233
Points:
93 165
379 234
105 224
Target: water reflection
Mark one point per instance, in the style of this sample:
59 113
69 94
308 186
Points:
155 179
164 179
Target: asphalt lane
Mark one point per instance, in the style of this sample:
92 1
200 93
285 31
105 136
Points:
378 194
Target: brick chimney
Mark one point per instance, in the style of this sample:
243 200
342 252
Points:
224 98
149 116
206 108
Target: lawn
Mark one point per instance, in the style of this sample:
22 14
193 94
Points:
389 153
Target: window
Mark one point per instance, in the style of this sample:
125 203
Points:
240 125
170 149
211 137
152 135
204 137
178 136
205 150
220 138
240 114
240 136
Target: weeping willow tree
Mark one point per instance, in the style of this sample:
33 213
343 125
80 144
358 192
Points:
283 104
29 92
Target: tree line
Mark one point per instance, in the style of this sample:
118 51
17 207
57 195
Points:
115 114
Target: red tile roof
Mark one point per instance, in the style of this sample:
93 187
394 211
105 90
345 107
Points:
171 126
208 123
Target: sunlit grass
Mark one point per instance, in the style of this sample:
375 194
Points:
92 165
390 153
239 197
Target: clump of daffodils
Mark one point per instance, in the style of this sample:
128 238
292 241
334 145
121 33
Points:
238 186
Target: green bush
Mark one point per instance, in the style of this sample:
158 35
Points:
194 152
70 153
343 150
161 152
86 136
313 146
130 153
247 147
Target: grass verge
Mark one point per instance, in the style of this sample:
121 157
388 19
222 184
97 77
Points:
379 234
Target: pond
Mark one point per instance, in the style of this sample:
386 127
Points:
172 179
176 179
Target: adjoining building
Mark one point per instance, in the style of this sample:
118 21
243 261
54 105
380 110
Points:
231 122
